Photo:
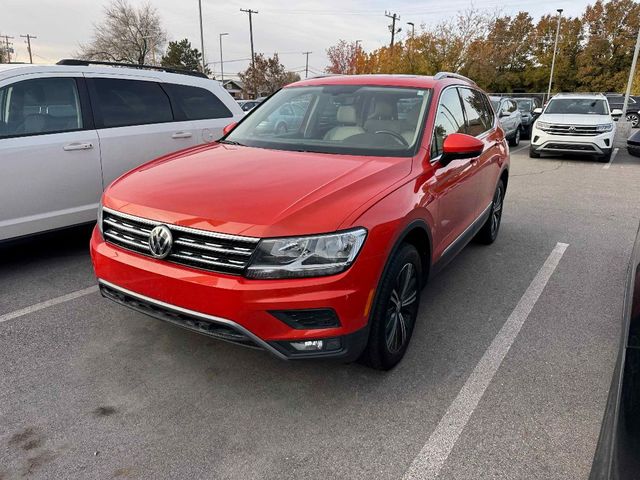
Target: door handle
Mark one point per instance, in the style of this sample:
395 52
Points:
182 135
77 146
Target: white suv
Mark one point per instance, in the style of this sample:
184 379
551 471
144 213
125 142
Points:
577 123
68 130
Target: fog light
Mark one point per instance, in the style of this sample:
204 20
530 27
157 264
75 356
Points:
325 345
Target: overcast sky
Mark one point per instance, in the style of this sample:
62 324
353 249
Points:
61 25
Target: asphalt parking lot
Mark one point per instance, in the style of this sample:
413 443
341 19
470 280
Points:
89 389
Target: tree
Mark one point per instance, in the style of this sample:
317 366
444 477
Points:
266 76
342 58
181 55
127 34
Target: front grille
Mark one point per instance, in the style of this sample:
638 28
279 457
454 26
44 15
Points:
572 130
216 252
570 146
211 329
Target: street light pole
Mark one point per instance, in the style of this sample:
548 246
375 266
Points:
204 63
221 62
631 75
555 49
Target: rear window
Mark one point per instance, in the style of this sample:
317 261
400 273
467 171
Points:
195 103
119 103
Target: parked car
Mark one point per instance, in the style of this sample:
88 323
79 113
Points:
576 123
616 102
315 243
527 105
633 144
248 105
509 117
285 119
616 456
67 131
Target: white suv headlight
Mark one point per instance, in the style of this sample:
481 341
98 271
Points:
542 125
312 256
605 127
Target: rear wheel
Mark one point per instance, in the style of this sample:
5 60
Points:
489 231
281 129
634 118
515 140
395 310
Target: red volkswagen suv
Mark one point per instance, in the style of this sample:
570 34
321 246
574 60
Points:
312 240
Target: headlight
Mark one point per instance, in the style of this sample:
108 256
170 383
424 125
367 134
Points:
542 125
605 127
100 218
312 256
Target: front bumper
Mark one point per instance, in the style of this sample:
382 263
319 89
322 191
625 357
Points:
235 309
543 142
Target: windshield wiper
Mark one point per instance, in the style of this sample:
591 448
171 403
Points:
231 142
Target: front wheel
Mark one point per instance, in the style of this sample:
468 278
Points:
515 140
489 231
634 118
395 310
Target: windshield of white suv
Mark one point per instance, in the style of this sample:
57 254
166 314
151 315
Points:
525 105
347 119
579 106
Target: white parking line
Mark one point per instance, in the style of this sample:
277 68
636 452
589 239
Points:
519 149
48 303
613 155
434 453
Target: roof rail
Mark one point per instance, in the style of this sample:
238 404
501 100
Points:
441 75
80 62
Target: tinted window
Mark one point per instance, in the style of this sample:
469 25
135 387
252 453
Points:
197 103
449 119
43 105
478 117
129 102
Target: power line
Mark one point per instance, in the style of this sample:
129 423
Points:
29 37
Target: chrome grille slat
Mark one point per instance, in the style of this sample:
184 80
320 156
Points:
200 249
579 130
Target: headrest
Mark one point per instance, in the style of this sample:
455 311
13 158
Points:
346 114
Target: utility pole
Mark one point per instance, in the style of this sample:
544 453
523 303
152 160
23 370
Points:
29 37
250 12
204 63
413 36
221 63
306 67
7 46
394 17
358 42
555 49
631 75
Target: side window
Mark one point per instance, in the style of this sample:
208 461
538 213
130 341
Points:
478 117
39 106
449 119
513 106
195 103
118 103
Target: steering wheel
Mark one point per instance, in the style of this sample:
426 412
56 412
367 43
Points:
395 135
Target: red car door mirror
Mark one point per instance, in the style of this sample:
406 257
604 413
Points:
460 145
226 130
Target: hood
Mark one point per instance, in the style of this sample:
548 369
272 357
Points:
573 119
253 191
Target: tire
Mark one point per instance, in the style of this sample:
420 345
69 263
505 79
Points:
489 231
606 158
533 153
281 129
395 310
526 132
634 118
515 140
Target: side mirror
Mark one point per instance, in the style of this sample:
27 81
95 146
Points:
537 111
460 145
616 113
227 130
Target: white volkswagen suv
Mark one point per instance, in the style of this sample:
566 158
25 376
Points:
577 123
68 130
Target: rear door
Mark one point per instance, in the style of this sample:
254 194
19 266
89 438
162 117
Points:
49 154
135 122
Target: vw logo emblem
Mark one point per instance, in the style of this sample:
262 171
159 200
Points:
160 241
572 128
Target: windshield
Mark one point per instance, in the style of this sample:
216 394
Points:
525 105
348 119
580 106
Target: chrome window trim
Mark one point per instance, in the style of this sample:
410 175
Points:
195 231
203 316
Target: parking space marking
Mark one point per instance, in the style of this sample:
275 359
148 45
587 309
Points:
434 453
613 155
519 149
48 303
